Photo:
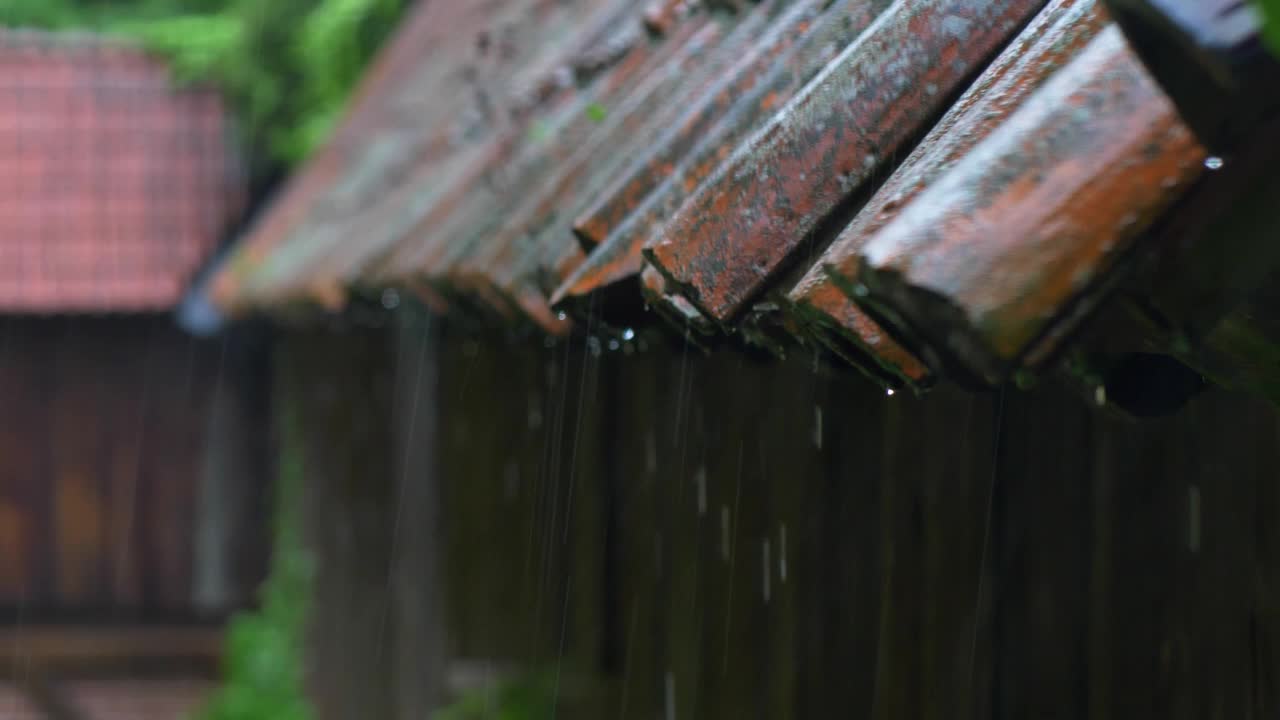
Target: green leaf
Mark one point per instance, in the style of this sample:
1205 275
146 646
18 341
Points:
286 67
195 45
596 112
1271 23
263 677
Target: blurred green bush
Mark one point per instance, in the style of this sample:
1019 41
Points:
1271 15
525 698
264 654
287 66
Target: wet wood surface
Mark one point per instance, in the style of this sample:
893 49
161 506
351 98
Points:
684 536
102 447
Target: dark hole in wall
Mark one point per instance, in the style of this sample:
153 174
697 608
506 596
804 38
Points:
1152 385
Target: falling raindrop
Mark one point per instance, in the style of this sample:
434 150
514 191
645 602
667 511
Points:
628 334
1213 162
1100 395
782 553
700 478
511 480
650 453
671 695
724 532
390 299
817 426
768 571
1193 518
535 412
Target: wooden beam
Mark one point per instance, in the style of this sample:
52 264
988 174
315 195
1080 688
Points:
58 649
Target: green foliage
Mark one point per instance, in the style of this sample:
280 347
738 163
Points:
531 698
287 66
1271 25
597 112
263 666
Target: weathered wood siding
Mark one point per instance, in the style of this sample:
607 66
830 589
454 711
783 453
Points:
690 537
362 404
102 437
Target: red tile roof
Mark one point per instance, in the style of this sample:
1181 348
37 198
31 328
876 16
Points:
114 185
929 187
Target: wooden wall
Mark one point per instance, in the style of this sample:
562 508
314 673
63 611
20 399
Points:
680 536
103 436
358 407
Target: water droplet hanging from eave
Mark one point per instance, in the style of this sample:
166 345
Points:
390 299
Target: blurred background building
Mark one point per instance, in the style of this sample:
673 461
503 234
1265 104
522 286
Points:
131 462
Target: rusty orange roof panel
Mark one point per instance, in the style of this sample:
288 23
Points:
753 93
660 15
496 202
727 241
395 123
992 255
436 190
511 163
508 255
932 189
629 189
1060 31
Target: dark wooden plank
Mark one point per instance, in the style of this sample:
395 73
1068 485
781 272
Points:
417 613
77 502
177 422
18 526
642 443
958 521
126 392
714 433
73 648
794 447
843 574
1216 448
1041 552
335 414
1265 614
911 590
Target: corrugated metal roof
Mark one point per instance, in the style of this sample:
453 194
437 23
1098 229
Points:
114 186
924 186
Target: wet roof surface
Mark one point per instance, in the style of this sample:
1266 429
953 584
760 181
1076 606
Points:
923 187
114 186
